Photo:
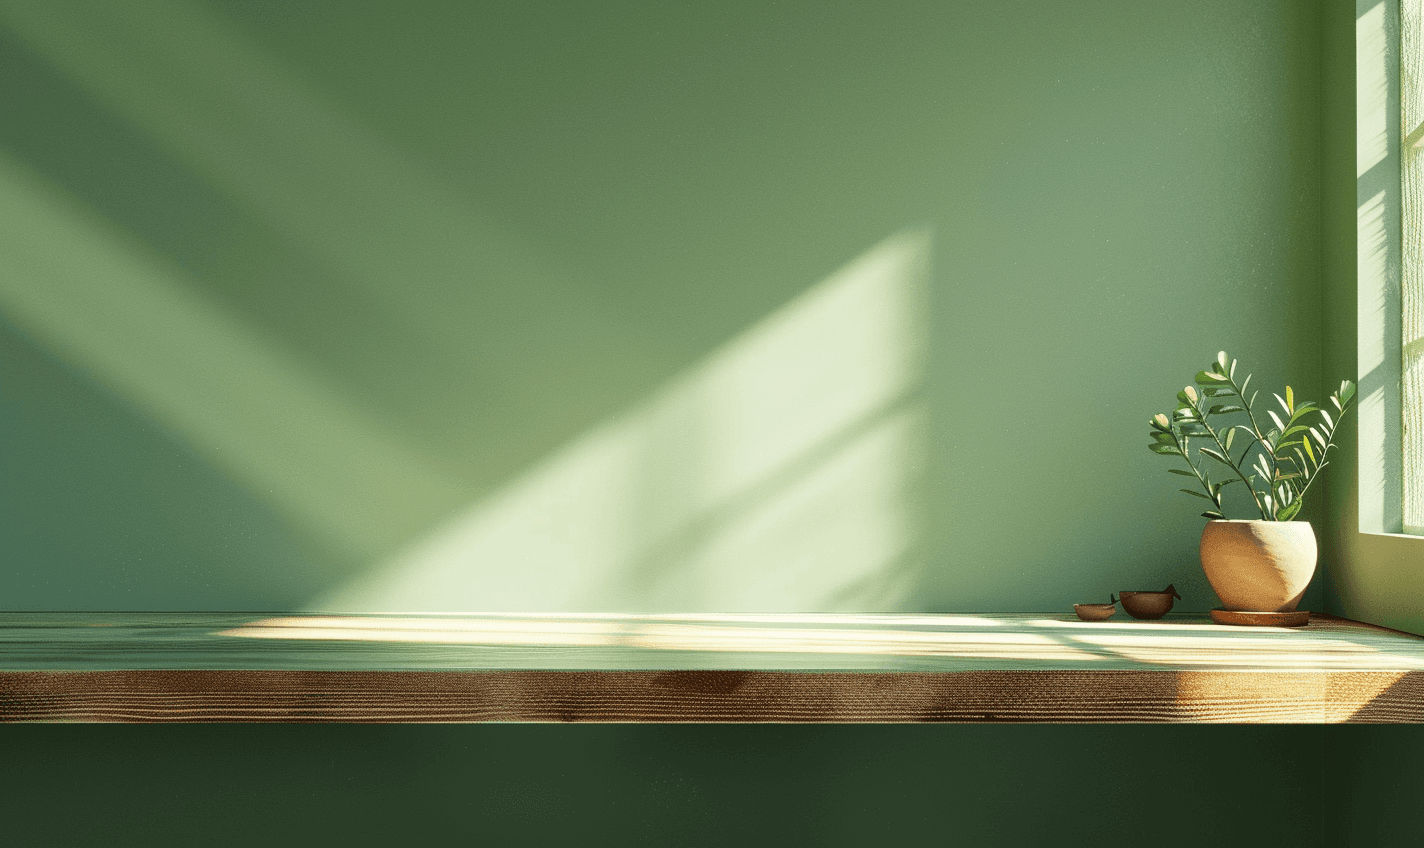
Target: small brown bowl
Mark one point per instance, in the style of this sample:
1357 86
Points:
1148 606
1095 612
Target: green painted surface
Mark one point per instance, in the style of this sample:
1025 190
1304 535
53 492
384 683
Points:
634 306
690 785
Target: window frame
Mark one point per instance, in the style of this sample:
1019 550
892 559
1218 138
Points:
1380 265
1410 405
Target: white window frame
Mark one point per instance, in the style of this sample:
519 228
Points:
1411 358
1379 347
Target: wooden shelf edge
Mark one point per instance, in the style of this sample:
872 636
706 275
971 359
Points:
713 696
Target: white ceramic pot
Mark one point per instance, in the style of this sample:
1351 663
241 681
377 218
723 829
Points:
1258 566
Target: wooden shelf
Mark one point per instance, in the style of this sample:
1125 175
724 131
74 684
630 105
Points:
208 667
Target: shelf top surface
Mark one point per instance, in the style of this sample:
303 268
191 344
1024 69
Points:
106 641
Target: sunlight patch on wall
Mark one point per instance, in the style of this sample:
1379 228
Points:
1378 510
780 473
287 155
1372 73
129 319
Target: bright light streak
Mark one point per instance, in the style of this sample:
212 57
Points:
1008 638
1206 693
1312 653
128 318
1371 90
711 634
773 475
782 472
1073 624
289 156
1373 267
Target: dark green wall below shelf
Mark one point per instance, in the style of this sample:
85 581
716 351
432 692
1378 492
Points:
659 785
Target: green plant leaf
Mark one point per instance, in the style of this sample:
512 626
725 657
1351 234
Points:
1289 511
1210 377
1244 383
1230 434
1196 493
1160 422
1232 372
1320 437
1262 469
1290 400
1276 418
1329 422
1250 434
1217 391
1212 514
1164 438
1223 408
1216 456
1181 472
1164 449
1221 360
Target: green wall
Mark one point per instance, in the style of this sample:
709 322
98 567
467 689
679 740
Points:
685 785
1081 785
634 305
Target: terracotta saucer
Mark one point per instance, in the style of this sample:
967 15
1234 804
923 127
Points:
1296 618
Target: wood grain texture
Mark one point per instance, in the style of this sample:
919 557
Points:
715 696
209 668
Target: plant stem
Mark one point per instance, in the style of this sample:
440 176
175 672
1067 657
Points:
1266 449
1182 446
1231 463
1329 443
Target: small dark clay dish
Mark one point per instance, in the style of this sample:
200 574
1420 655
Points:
1095 612
1149 605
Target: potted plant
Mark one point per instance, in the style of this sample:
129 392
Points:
1259 564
